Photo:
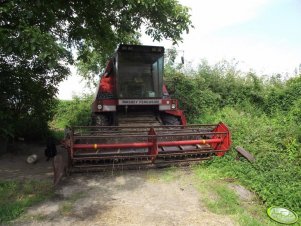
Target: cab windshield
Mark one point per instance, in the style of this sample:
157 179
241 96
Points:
140 75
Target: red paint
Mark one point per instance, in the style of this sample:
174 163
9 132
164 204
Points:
189 142
121 145
226 139
152 144
106 84
108 102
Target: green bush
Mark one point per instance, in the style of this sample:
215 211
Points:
72 112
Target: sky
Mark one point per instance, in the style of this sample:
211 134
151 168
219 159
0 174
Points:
262 35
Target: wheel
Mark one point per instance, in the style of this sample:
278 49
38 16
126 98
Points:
170 120
100 120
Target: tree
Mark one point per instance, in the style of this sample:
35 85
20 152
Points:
38 40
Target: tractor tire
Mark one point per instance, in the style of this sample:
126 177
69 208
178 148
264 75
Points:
100 120
170 120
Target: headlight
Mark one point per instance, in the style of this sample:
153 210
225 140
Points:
99 107
173 106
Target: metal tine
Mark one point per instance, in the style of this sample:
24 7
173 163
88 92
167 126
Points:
146 135
141 127
159 131
144 132
134 129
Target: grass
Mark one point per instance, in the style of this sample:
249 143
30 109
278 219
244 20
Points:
67 206
275 142
213 185
166 174
169 174
57 134
16 196
219 198
216 194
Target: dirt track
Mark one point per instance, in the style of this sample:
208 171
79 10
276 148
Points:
140 197
125 198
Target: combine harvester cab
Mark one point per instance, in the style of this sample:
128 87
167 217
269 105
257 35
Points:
136 122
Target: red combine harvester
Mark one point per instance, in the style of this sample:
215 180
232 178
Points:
136 122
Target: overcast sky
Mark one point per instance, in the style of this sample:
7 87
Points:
263 35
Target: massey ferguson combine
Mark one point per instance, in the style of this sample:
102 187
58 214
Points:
135 122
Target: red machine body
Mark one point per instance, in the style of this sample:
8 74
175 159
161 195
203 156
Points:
136 122
133 82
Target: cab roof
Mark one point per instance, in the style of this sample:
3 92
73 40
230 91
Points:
140 48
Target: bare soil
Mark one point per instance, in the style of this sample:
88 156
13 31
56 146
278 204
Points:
13 165
136 197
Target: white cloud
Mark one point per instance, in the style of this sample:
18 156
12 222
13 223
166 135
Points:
211 15
251 53
208 17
